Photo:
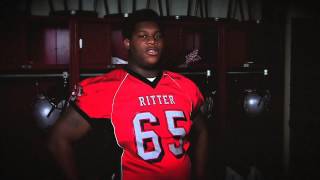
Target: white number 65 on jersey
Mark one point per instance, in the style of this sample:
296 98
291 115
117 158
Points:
143 136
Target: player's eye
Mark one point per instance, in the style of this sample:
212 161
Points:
158 36
142 36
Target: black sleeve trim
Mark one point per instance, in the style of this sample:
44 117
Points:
85 115
197 112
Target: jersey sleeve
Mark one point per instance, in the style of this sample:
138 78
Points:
196 98
94 99
193 92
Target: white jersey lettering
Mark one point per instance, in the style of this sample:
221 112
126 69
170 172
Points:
156 100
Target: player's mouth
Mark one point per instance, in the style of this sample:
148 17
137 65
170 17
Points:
152 51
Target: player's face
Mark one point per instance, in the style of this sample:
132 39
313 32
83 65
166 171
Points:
145 45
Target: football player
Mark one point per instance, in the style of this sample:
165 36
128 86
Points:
148 111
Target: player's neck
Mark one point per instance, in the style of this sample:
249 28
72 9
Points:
147 73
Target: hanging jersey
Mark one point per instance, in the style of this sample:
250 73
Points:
151 120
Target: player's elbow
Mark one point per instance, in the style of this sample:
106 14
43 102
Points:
53 144
56 142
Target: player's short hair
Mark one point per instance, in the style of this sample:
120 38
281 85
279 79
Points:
136 17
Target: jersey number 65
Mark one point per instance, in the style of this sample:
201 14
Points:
142 137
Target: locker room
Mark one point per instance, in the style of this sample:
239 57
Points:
255 62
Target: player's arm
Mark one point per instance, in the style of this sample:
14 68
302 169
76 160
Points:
201 146
68 129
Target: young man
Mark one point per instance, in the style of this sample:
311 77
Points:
151 111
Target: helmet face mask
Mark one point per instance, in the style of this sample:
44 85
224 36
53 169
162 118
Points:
49 102
254 104
46 112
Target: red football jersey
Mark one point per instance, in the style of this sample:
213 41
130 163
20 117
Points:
151 120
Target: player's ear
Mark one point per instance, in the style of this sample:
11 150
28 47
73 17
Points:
126 43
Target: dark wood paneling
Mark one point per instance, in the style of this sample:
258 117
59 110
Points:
23 143
48 43
13 43
96 44
117 46
304 113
